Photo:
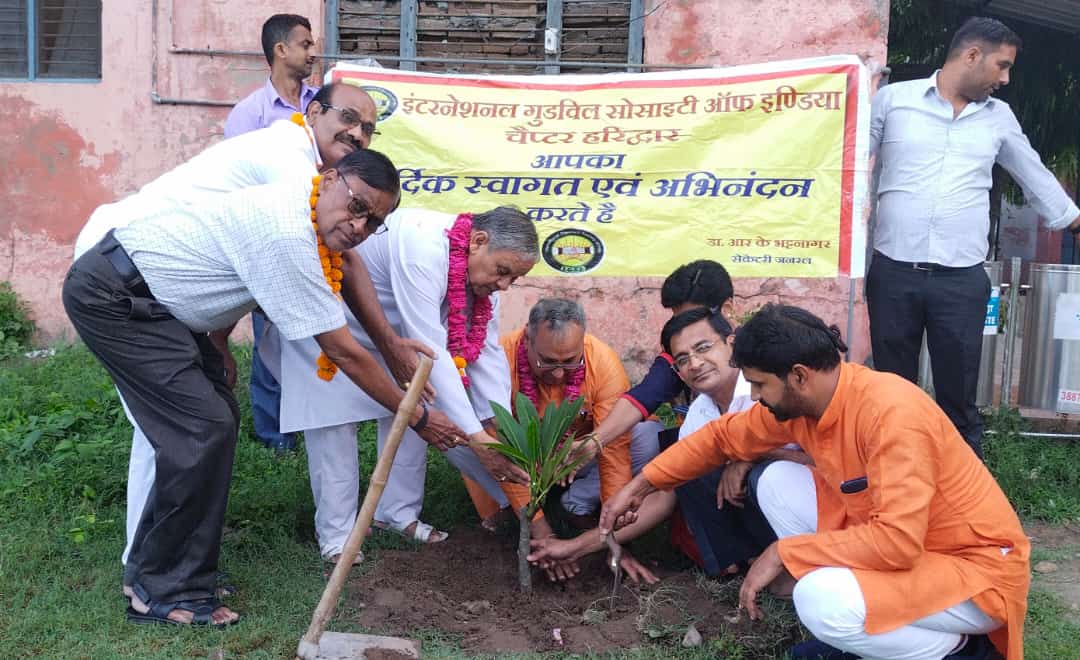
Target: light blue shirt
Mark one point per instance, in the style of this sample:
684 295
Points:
933 192
263 107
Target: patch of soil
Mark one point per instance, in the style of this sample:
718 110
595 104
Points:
468 585
1062 544
386 654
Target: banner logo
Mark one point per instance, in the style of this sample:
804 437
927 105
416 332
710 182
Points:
573 251
385 100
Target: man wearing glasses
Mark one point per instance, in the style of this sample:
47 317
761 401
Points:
342 119
553 358
284 151
143 300
410 267
290 52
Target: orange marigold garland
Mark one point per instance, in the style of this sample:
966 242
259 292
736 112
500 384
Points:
331 264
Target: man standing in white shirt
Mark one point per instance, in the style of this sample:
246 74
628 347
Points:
290 51
143 300
937 140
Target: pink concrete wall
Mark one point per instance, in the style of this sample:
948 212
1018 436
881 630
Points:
69 147
627 312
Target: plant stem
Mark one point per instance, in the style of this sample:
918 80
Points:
524 570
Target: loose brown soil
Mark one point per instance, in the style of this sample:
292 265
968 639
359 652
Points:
468 586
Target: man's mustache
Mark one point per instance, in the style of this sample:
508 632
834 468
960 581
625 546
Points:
349 140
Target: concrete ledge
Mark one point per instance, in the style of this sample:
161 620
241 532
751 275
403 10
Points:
349 646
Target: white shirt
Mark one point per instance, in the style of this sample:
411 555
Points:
213 261
704 410
408 266
933 194
280 152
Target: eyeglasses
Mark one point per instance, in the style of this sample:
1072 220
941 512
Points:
683 361
565 366
358 208
352 119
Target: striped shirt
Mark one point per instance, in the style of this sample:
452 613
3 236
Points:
213 261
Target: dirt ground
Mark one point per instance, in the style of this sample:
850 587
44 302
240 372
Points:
468 586
1059 545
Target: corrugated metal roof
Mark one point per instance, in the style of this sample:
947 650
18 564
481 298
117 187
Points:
1058 14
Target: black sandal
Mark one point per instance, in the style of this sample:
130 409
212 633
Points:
202 610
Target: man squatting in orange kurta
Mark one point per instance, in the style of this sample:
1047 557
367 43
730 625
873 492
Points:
911 551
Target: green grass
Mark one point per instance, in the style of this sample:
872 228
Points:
64 445
1038 474
1051 632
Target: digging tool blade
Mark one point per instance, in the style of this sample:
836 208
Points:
615 566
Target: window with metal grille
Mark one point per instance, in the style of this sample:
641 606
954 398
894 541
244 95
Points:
493 36
50 39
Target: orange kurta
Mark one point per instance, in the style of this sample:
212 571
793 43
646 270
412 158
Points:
931 530
605 381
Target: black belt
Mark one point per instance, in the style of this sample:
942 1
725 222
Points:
923 265
112 250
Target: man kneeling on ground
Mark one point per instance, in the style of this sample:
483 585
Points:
901 542
553 359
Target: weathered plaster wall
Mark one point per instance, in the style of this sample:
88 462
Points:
627 312
68 147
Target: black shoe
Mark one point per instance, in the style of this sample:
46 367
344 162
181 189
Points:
817 650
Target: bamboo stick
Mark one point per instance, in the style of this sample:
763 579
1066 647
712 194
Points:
308 649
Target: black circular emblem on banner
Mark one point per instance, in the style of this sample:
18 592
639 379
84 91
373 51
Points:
573 251
385 100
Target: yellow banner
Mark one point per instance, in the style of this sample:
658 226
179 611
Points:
636 174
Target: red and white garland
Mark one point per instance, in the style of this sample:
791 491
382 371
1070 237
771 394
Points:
527 384
464 338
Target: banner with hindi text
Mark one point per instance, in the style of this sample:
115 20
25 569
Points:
762 168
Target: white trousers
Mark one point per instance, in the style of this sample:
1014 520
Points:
583 496
335 481
829 601
141 471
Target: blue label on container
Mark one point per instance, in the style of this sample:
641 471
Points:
993 308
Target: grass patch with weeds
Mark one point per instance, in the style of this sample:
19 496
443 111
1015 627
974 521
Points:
1051 632
1039 475
16 326
64 446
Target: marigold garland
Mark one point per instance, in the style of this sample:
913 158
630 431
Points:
298 119
331 264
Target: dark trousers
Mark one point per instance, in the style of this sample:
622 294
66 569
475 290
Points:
950 305
723 536
173 381
266 394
